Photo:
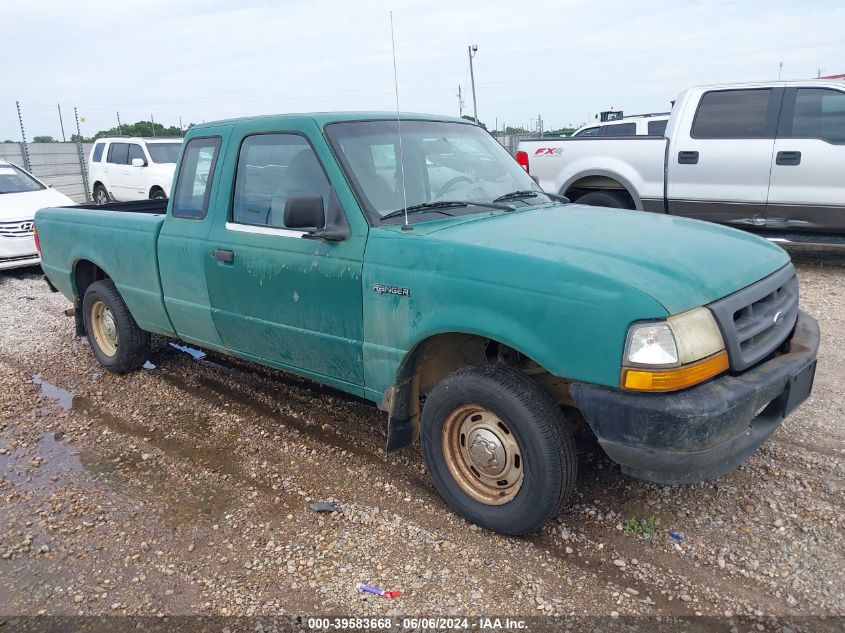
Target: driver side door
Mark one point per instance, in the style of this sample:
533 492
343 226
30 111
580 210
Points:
276 295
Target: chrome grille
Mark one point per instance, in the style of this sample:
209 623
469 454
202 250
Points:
756 320
18 228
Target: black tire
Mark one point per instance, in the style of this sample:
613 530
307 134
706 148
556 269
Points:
157 194
537 423
611 199
131 345
101 196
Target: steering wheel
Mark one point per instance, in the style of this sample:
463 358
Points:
451 183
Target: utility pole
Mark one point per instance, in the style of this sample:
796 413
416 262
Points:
780 70
472 50
460 102
26 162
62 123
82 166
181 131
119 128
152 120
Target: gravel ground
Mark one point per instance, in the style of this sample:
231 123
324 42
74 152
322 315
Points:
184 489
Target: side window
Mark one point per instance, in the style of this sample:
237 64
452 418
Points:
271 169
732 114
819 113
657 128
620 129
196 172
136 151
118 153
590 131
98 152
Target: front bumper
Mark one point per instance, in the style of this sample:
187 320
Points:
17 251
707 430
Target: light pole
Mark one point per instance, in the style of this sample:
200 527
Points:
472 50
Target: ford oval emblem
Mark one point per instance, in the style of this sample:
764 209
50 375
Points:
778 318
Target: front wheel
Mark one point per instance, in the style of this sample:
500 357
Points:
157 194
118 343
497 448
101 196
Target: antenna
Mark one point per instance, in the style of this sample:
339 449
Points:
406 226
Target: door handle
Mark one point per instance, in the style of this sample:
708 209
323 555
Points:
788 158
223 255
687 158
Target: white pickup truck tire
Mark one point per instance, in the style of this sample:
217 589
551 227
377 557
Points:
610 199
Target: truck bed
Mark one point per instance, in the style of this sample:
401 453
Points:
94 235
559 164
153 207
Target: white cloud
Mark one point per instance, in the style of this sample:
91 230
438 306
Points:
564 60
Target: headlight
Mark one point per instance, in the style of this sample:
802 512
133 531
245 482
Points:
681 351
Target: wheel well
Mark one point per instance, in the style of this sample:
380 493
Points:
85 273
155 188
438 356
588 184
96 184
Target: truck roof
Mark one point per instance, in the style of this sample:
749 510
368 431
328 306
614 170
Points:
146 139
775 84
323 118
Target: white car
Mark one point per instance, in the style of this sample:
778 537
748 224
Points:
130 168
634 125
21 195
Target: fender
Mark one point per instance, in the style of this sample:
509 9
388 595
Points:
632 191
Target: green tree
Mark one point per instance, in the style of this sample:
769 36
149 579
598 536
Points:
469 118
141 128
43 139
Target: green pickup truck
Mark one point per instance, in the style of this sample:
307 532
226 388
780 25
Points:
411 261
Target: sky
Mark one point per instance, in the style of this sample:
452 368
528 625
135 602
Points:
564 60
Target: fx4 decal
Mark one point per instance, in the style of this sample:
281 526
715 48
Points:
392 290
548 151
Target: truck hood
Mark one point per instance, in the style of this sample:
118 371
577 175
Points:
680 263
23 205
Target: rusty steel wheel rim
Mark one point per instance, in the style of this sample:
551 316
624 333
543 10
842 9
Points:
483 455
104 328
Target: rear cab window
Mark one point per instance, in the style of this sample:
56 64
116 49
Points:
733 114
196 174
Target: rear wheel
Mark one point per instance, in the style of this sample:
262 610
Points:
157 194
497 448
101 196
612 199
118 343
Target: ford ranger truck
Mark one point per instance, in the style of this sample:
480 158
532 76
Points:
763 157
435 271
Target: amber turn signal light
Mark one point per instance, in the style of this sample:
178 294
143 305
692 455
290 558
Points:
675 378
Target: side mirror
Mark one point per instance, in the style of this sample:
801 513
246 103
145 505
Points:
139 162
305 212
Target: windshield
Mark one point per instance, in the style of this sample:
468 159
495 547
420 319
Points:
444 162
15 180
164 152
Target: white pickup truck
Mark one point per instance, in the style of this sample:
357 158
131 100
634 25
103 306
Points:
765 157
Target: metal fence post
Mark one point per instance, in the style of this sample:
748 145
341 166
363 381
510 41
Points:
83 167
24 149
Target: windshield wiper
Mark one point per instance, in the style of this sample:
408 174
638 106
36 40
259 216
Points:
438 205
527 193
515 195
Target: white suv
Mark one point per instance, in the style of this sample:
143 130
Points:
126 168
